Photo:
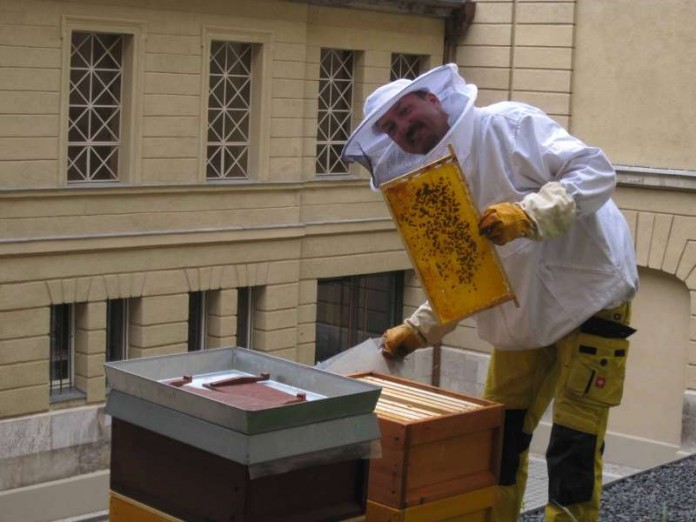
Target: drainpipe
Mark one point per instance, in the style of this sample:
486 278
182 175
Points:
456 25
436 370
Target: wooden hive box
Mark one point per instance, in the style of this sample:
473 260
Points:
178 481
474 506
435 443
124 509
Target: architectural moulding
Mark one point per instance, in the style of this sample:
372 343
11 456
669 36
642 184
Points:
656 178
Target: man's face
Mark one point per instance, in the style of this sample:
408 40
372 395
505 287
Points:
416 123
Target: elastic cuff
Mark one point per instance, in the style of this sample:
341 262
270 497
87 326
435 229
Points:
422 341
551 209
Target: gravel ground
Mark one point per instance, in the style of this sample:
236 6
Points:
666 493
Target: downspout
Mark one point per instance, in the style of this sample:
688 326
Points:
456 25
437 361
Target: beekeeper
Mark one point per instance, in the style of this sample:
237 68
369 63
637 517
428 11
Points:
544 197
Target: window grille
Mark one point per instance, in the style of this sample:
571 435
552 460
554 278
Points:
95 107
116 330
229 110
355 308
197 321
62 355
405 66
335 109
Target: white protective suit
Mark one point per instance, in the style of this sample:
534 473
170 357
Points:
509 151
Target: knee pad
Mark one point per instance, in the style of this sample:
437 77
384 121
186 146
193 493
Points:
570 459
515 442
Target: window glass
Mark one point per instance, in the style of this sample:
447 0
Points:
245 316
405 66
116 329
196 321
353 309
95 106
229 110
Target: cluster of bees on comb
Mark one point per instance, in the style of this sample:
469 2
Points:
434 223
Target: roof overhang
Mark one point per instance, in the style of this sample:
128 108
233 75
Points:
431 8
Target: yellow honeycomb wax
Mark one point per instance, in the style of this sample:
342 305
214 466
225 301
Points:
438 222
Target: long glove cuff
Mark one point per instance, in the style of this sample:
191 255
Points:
401 340
526 226
504 222
552 209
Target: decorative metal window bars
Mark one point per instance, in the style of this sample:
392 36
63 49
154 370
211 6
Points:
95 106
405 66
335 109
229 110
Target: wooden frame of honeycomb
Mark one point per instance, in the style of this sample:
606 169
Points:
438 222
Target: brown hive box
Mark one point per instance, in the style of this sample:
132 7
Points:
435 443
181 482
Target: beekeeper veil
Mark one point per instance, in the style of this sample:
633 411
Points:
385 160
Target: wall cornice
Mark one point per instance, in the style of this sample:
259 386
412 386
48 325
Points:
645 177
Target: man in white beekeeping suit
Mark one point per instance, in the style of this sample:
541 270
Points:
544 198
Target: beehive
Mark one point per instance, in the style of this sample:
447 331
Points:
214 435
124 509
436 444
474 506
187 483
438 222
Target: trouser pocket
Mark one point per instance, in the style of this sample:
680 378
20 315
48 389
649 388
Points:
598 369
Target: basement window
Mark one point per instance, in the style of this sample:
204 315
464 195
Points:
62 353
116 330
246 304
197 321
355 308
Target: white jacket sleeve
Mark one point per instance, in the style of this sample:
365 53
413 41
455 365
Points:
426 326
544 152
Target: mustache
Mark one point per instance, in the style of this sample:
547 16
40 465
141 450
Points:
412 131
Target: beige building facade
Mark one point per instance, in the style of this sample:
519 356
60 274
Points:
169 182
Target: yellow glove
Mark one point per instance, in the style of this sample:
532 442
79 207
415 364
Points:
504 222
399 341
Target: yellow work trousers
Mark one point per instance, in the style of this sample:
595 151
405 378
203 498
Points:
583 373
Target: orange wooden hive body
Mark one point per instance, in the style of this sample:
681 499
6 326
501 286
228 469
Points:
435 443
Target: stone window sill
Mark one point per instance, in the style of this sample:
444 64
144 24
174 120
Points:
69 394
